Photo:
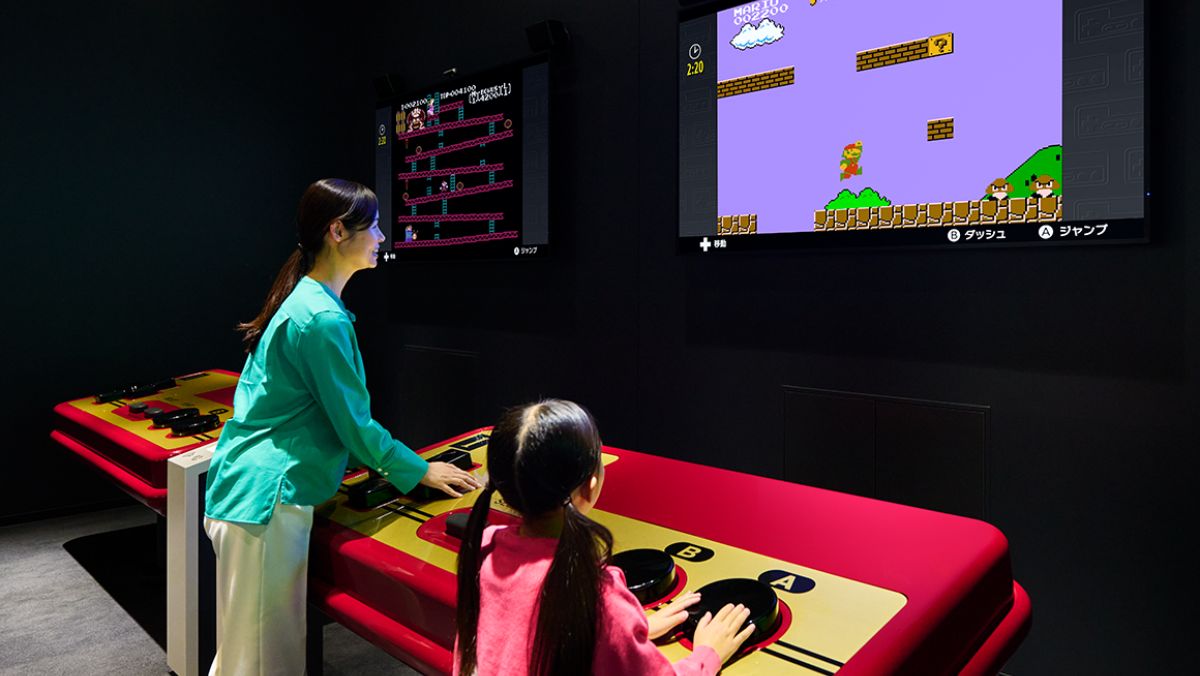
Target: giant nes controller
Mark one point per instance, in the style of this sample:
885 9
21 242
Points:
862 586
117 434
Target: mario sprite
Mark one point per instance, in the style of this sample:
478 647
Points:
849 163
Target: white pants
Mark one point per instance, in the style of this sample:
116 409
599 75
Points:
262 589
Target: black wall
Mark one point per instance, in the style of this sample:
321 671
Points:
153 157
161 152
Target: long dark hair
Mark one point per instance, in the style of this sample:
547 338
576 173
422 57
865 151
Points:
537 455
324 202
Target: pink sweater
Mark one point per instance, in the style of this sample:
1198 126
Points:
510 581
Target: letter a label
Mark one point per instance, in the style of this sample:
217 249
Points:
785 581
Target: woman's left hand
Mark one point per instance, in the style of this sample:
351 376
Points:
671 615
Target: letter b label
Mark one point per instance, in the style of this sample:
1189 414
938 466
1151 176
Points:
690 552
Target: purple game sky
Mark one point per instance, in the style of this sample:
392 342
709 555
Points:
778 150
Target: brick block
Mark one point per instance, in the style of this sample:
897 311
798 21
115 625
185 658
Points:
939 129
904 52
780 77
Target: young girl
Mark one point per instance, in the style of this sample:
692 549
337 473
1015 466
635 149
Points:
539 598
301 408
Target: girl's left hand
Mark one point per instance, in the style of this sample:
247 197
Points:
671 615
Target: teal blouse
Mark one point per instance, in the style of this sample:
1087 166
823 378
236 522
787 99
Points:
300 409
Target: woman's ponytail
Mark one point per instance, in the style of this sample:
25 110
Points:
324 202
296 266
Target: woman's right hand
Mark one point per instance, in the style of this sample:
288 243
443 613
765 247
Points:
446 478
721 633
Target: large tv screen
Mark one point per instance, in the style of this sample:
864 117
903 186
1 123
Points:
866 123
462 167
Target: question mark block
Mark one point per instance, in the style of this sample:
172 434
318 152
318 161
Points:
940 45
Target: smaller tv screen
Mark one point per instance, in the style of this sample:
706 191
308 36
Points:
462 168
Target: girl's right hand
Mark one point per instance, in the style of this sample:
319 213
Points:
721 633
446 478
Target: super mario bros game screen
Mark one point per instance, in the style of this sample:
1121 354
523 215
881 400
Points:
835 123
462 168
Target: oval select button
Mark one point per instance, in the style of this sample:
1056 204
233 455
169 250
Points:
786 581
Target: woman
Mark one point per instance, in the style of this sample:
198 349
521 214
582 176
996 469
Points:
300 409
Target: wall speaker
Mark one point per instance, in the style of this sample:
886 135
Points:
387 86
547 35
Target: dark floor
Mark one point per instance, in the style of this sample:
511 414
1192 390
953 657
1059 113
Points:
86 594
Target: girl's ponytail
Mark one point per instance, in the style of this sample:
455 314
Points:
469 560
569 607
